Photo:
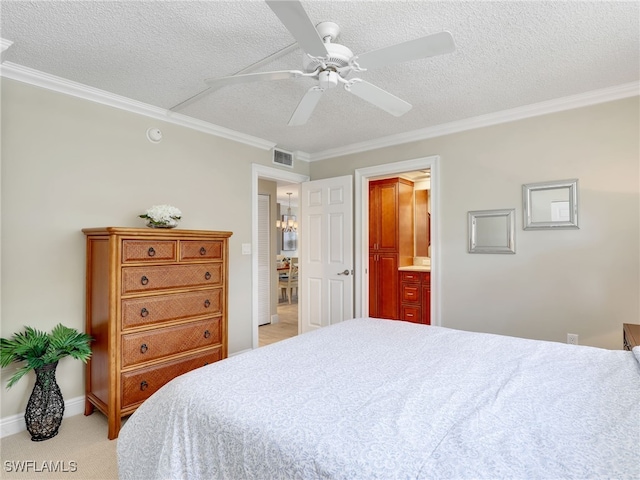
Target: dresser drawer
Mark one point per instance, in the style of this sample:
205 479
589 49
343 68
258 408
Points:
162 308
162 342
138 385
411 314
410 276
164 277
135 251
410 293
194 250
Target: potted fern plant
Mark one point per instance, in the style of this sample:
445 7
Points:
41 352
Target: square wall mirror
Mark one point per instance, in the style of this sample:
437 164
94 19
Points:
549 205
492 231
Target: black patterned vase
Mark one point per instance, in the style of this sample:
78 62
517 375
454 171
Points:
45 408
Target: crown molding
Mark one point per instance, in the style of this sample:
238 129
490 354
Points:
4 44
61 85
303 156
551 106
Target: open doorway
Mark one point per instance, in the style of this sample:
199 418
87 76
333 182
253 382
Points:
363 176
284 281
361 223
280 178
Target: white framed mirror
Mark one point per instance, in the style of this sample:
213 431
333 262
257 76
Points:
550 205
492 231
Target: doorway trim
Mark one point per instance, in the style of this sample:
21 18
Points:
362 176
266 173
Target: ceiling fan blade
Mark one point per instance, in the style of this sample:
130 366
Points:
424 47
306 106
253 77
292 15
379 97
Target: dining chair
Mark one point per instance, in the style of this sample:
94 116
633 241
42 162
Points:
287 285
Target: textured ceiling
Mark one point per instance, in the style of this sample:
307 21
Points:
509 54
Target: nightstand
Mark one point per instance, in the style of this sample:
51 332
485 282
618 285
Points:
630 335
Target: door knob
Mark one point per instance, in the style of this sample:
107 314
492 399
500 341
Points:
346 272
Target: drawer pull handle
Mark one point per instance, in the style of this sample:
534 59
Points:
151 252
143 385
144 280
206 363
143 348
207 334
207 276
203 251
207 303
144 312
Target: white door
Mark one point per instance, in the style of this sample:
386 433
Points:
264 263
326 252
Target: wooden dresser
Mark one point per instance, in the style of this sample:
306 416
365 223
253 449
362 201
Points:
415 296
630 336
156 306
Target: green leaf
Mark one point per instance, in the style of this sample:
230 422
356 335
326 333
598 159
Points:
38 348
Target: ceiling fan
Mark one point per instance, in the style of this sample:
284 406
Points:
331 63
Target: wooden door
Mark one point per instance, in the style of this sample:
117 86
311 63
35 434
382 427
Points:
426 298
373 285
383 215
388 285
383 285
374 217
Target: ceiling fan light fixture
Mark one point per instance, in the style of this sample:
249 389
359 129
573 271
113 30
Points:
327 79
338 57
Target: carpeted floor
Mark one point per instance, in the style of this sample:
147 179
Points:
80 451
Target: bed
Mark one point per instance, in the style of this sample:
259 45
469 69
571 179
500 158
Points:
382 399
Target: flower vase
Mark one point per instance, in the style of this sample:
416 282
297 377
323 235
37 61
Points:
45 408
160 225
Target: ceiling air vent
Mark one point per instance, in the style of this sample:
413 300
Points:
282 157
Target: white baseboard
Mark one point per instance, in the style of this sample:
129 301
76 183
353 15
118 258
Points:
240 352
15 423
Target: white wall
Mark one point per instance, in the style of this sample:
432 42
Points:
584 281
68 164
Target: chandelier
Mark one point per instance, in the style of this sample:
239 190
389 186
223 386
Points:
288 222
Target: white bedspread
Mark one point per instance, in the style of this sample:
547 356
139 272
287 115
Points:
380 399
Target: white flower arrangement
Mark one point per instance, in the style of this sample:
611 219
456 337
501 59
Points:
162 216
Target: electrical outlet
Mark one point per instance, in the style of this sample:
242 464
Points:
572 338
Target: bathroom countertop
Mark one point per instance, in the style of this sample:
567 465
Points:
415 268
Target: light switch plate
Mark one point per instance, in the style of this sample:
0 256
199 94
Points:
246 249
